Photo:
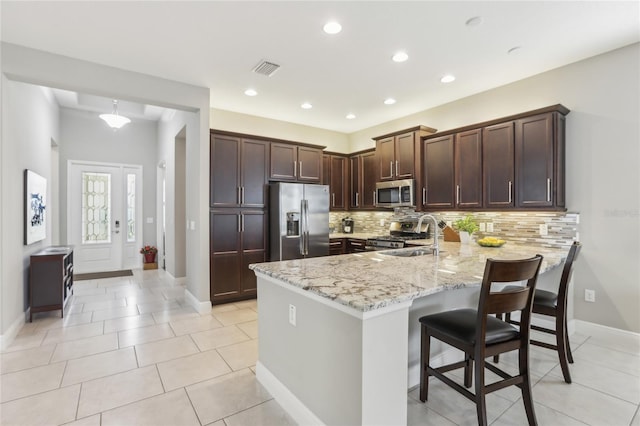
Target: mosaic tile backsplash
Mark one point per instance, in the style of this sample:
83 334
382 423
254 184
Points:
519 227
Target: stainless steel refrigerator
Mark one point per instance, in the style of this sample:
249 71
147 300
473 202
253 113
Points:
299 217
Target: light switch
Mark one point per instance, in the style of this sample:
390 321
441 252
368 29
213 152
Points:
149 220
193 225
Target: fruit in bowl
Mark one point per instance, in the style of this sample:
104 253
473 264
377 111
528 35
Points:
491 242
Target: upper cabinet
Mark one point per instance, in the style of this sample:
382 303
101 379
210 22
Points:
513 162
363 175
334 174
238 174
295 163
398 153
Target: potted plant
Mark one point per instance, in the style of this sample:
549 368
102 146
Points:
149 253
466 226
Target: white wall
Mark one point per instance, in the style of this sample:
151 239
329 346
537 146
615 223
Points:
46 69
603 180
84 136
258 126
30 122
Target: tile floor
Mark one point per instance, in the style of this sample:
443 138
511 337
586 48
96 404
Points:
130 351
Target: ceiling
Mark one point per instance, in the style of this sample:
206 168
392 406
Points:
216 44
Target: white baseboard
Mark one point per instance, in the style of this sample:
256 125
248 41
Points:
9 336
201 307
586 327
287 400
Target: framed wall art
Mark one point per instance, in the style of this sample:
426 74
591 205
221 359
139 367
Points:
35 205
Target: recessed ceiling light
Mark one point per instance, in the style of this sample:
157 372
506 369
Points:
447 78
250 92
332 27
400 57
473 22
306 105
389 101
351 116
514 50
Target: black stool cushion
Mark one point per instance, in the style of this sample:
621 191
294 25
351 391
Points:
540 297
460 325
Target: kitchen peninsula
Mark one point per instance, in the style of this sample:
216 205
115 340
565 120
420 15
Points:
336 334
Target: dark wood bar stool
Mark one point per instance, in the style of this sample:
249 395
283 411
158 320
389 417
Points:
479 334
554 305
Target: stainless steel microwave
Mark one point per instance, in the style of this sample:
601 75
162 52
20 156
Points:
396 193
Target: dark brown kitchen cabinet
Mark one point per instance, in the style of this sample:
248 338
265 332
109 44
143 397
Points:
363 177
238 238
355 245
50 279
438 179
337 246
238 175
539 161
295 163
398 153
468 169
334 174
498 163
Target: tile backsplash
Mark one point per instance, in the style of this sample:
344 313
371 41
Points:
519 227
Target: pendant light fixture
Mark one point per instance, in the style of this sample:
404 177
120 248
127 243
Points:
114 120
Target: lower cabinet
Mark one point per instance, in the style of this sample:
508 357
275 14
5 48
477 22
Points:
337 246
50 279
238 238
355 245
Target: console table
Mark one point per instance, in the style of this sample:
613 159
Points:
50 279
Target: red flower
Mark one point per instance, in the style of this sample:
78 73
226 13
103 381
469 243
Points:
148 250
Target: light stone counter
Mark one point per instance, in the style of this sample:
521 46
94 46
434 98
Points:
373 280
355 235
339 336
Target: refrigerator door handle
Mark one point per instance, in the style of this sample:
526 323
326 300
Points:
302 227
306 227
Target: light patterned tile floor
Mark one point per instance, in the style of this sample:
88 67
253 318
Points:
130 351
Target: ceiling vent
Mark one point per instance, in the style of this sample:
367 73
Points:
266 68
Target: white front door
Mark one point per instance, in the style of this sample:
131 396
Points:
104 215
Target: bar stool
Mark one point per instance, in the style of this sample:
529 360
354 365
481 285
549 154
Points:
554 305
479 335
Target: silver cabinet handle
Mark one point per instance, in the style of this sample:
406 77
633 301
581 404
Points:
333 199
391 168
397 168
242 195
424 195
242 220
548 189
357 202
457 194
295 169
510 192
239 223
301 169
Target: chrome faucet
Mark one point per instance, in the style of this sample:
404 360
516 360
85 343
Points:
435 248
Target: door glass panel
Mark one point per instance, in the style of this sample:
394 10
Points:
131 208
96 208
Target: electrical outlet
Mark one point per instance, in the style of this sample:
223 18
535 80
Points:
292 315
543 230
483 227
589 295
381 222
489 226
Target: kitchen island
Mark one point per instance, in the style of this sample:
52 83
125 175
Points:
337 336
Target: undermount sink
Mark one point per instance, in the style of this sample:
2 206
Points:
409 253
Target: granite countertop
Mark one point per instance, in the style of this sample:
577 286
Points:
355 235
372 280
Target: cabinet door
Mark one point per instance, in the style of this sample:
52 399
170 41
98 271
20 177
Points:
225 262
404 156
468 167
253 170
338 185
309 164
284 162
369 176
336 246
498 165
224 185
385 148
356 245
534 161
326 169
254 248
439 178
355 182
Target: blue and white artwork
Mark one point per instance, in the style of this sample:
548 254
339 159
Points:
35 226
